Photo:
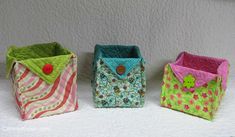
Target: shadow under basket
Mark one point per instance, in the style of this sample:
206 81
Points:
44 78
118 76
194 84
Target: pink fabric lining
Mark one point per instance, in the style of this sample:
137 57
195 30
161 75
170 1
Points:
204 69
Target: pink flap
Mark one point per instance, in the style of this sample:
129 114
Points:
204 69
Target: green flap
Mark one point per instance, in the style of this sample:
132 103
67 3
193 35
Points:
34 57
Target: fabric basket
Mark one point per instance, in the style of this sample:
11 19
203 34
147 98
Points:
119 76
44 78
194 84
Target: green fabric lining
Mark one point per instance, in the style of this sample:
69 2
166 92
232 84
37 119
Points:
34 57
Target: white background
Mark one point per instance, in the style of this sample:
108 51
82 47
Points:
162 29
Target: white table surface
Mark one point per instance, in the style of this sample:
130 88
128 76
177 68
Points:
150 121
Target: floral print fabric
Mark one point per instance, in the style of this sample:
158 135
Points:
202 101
111 91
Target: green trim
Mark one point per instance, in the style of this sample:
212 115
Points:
34 57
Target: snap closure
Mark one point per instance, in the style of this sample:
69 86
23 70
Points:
120 69
47 69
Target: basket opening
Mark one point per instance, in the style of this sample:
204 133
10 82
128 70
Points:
38 51
120 52
202 63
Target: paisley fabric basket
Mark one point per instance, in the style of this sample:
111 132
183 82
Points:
194 84
119 76
44 79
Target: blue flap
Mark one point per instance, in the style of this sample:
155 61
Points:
115 55
128 63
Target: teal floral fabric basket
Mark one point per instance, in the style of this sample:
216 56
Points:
118 76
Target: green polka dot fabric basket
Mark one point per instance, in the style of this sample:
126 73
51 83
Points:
118 76
194 84
44 79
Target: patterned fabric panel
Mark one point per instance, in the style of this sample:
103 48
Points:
35 98
202 102
110 91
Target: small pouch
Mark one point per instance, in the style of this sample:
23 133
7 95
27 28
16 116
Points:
44 79
194 84
119 76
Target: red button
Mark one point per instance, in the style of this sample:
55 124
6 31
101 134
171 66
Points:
47 69
120 69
